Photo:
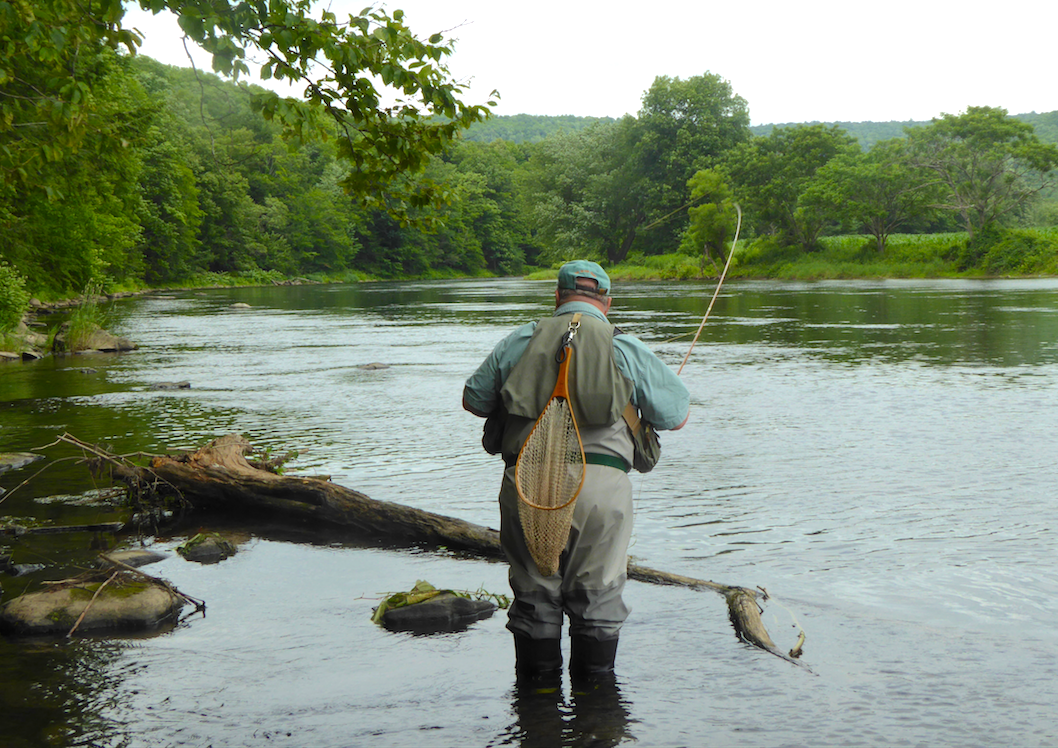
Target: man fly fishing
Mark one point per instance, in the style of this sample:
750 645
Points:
571 403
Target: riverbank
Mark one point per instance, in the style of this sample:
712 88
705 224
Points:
1010 253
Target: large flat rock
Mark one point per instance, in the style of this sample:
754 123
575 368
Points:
129 606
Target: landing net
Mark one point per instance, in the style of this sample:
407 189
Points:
549 475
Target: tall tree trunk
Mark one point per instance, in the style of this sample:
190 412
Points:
617 253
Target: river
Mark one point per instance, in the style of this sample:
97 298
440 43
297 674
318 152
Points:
879 456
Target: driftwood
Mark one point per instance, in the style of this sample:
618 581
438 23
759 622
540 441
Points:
218 477
57 529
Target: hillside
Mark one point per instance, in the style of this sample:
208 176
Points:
531 128
528 128
869 133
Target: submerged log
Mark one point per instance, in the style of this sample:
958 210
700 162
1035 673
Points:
219 477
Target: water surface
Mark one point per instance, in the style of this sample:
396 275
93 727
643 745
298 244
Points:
878 455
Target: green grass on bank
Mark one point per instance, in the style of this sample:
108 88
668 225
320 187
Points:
853 256
272 277
1006 253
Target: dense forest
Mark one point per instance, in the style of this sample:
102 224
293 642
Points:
175 177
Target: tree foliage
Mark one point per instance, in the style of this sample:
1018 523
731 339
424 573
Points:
770 176
71 217
878 191
529 128
713 218
685 126
590 193
991 165
346 67
118 169
612 189
14 298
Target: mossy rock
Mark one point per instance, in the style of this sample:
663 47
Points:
96 339
444 613
207 548
128 606
427 610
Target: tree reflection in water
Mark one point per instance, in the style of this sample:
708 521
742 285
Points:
63 689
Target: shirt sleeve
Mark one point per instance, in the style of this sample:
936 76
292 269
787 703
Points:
481 393
660 395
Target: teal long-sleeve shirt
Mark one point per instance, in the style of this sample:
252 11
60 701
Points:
659 393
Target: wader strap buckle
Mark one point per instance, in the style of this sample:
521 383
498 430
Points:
567 338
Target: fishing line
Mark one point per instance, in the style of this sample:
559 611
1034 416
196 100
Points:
738 228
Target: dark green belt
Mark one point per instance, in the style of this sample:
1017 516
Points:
608 460
589 457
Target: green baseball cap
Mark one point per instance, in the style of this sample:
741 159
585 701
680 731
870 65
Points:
571 271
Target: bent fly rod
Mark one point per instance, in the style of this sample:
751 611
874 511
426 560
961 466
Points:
738 228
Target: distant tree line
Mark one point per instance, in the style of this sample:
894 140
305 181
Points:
162 174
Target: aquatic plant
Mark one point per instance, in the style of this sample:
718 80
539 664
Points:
14 298
423 591
86 318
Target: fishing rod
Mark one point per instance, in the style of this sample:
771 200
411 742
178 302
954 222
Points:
738 228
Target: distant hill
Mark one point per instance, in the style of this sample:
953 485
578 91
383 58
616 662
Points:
869 133
532 128
1046 125
528 128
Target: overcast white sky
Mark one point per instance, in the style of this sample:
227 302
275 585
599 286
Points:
792 61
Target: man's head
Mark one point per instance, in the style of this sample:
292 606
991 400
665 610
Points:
583 280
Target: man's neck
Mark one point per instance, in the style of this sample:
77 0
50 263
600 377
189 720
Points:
580 304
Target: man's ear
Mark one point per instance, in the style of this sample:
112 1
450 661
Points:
609 301
556 298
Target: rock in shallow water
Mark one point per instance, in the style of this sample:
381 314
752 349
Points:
183 385
131 605
135 557
16 460
207 548
443 613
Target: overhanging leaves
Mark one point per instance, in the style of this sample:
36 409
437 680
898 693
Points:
348 69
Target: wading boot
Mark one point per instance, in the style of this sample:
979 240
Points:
537 695
592 659
537 658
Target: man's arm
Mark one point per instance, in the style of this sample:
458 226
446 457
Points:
471 408
660 395
481 393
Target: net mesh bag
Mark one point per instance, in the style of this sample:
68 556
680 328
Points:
549 475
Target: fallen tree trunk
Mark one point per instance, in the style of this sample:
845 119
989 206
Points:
218 477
